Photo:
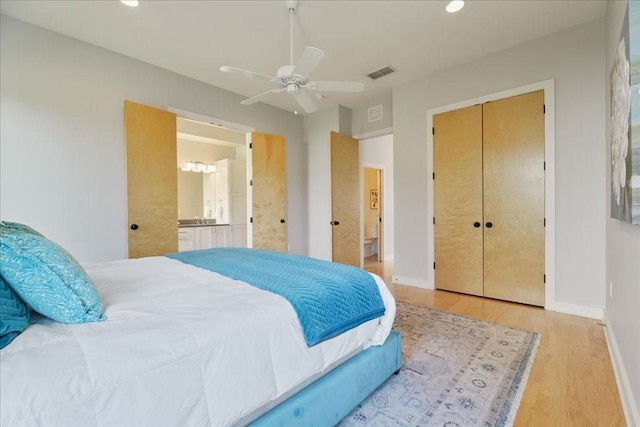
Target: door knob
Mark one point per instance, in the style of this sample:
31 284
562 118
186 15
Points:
489 225
335 223
476 224
134 226
282 221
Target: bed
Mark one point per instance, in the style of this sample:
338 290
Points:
185 346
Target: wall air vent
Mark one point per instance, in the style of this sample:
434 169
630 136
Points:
384 71
375 113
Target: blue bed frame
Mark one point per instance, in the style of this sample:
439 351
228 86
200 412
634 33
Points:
330 398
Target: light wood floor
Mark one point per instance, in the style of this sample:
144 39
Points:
572 381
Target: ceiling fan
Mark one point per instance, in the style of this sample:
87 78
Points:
294 78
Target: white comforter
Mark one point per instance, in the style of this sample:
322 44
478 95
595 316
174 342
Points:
182 346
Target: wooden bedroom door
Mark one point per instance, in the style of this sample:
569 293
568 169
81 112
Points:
457 149
152 181
345 199
514 198
489 199
268 192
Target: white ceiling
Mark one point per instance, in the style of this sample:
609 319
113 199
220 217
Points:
195 38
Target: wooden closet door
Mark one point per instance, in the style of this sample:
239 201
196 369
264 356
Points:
457 143
152 180
345 199
268 192
514 198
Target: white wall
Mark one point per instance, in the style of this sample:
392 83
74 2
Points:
62 136
379 151
574 59
623 262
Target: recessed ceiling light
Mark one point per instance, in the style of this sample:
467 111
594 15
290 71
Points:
455 5
130 3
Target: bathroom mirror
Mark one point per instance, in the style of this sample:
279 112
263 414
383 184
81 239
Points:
196 190
195 195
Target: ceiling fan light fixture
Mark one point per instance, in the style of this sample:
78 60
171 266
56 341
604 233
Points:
454 6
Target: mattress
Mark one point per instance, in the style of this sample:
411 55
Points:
181 346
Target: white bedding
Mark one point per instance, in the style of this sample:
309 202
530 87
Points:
182 346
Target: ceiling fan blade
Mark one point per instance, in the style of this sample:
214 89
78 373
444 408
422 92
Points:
305 102
335 86
257 98
308 62
246 73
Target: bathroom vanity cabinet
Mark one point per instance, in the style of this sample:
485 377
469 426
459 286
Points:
204 237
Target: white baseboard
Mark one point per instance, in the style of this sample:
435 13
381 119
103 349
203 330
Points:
631 411
418 283
578 310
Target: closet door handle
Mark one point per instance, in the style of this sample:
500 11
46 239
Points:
134 227
476 224
282 221
489 225
335 223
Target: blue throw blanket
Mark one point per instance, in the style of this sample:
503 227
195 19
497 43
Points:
329 298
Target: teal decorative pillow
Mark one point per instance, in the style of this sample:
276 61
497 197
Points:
14 314
48 278
6 226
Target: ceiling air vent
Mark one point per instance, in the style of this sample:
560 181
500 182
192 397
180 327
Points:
381 72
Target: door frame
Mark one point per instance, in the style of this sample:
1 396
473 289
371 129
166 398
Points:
381 240
548 86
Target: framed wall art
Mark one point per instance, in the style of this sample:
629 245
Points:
625 121
374 199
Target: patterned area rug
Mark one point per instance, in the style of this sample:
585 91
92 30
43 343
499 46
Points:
457 371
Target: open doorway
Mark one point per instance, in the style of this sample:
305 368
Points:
217 194
376 165
373 199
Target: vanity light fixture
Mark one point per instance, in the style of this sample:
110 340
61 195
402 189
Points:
189 167
454 6
130 3
198 167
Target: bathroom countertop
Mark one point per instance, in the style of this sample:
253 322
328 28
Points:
199 225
